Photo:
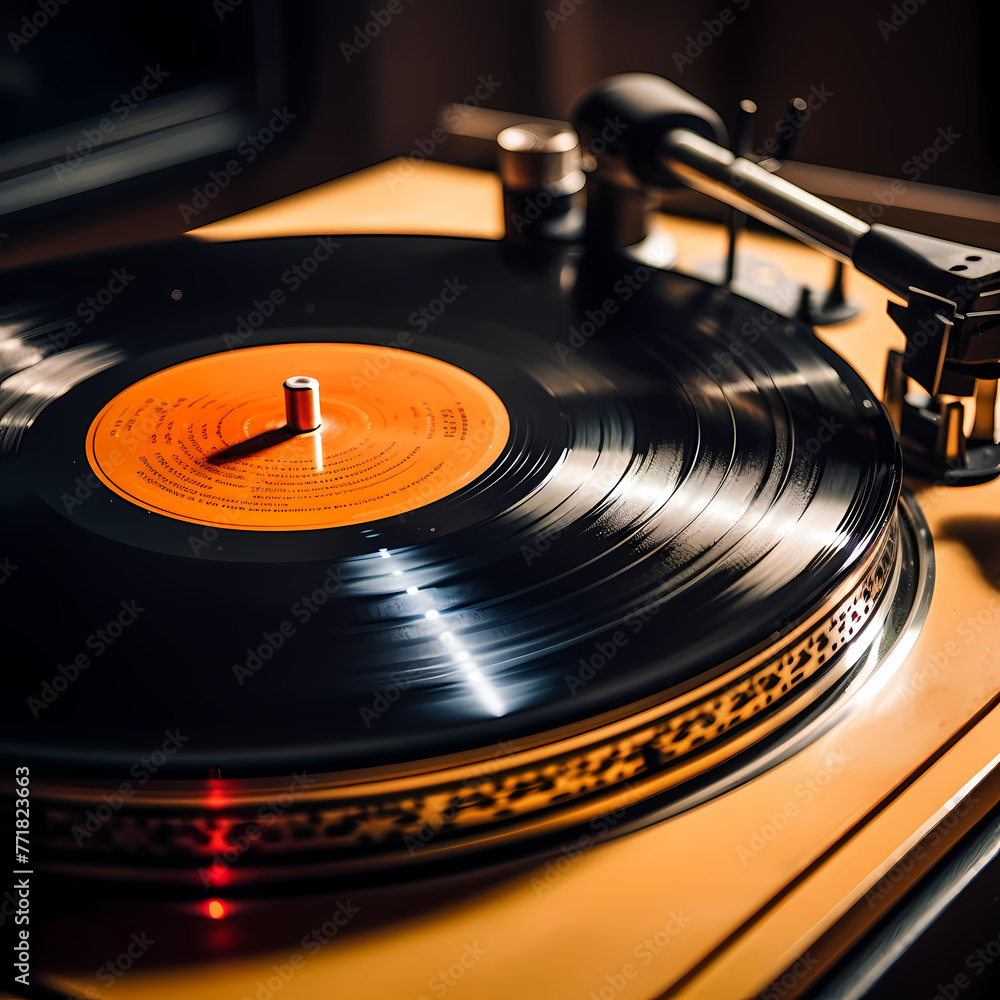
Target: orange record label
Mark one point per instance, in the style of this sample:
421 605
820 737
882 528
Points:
207 440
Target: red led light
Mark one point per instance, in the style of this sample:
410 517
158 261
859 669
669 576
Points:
216 909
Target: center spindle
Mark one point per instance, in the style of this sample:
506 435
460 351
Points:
302 404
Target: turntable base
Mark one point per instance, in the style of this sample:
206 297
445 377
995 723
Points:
716 902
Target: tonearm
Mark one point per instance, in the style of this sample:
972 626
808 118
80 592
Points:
663 137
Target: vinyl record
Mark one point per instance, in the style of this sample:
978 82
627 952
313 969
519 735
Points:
536 494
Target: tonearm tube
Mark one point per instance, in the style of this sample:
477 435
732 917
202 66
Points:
663 137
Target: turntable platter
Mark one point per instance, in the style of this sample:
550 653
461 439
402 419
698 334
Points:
642 457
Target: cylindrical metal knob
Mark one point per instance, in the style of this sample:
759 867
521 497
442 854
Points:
302 404
535 156
541 169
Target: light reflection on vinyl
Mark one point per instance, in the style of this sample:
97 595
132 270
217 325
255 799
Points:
625 497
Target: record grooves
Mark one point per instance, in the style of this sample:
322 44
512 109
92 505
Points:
548 595
356 821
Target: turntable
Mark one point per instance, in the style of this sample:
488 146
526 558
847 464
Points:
528 610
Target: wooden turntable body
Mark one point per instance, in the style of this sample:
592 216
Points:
772 878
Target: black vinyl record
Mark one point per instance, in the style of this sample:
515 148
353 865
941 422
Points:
684 480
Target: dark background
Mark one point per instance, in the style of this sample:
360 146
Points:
893 85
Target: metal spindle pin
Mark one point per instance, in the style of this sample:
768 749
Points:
742 136
302 404
791 126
